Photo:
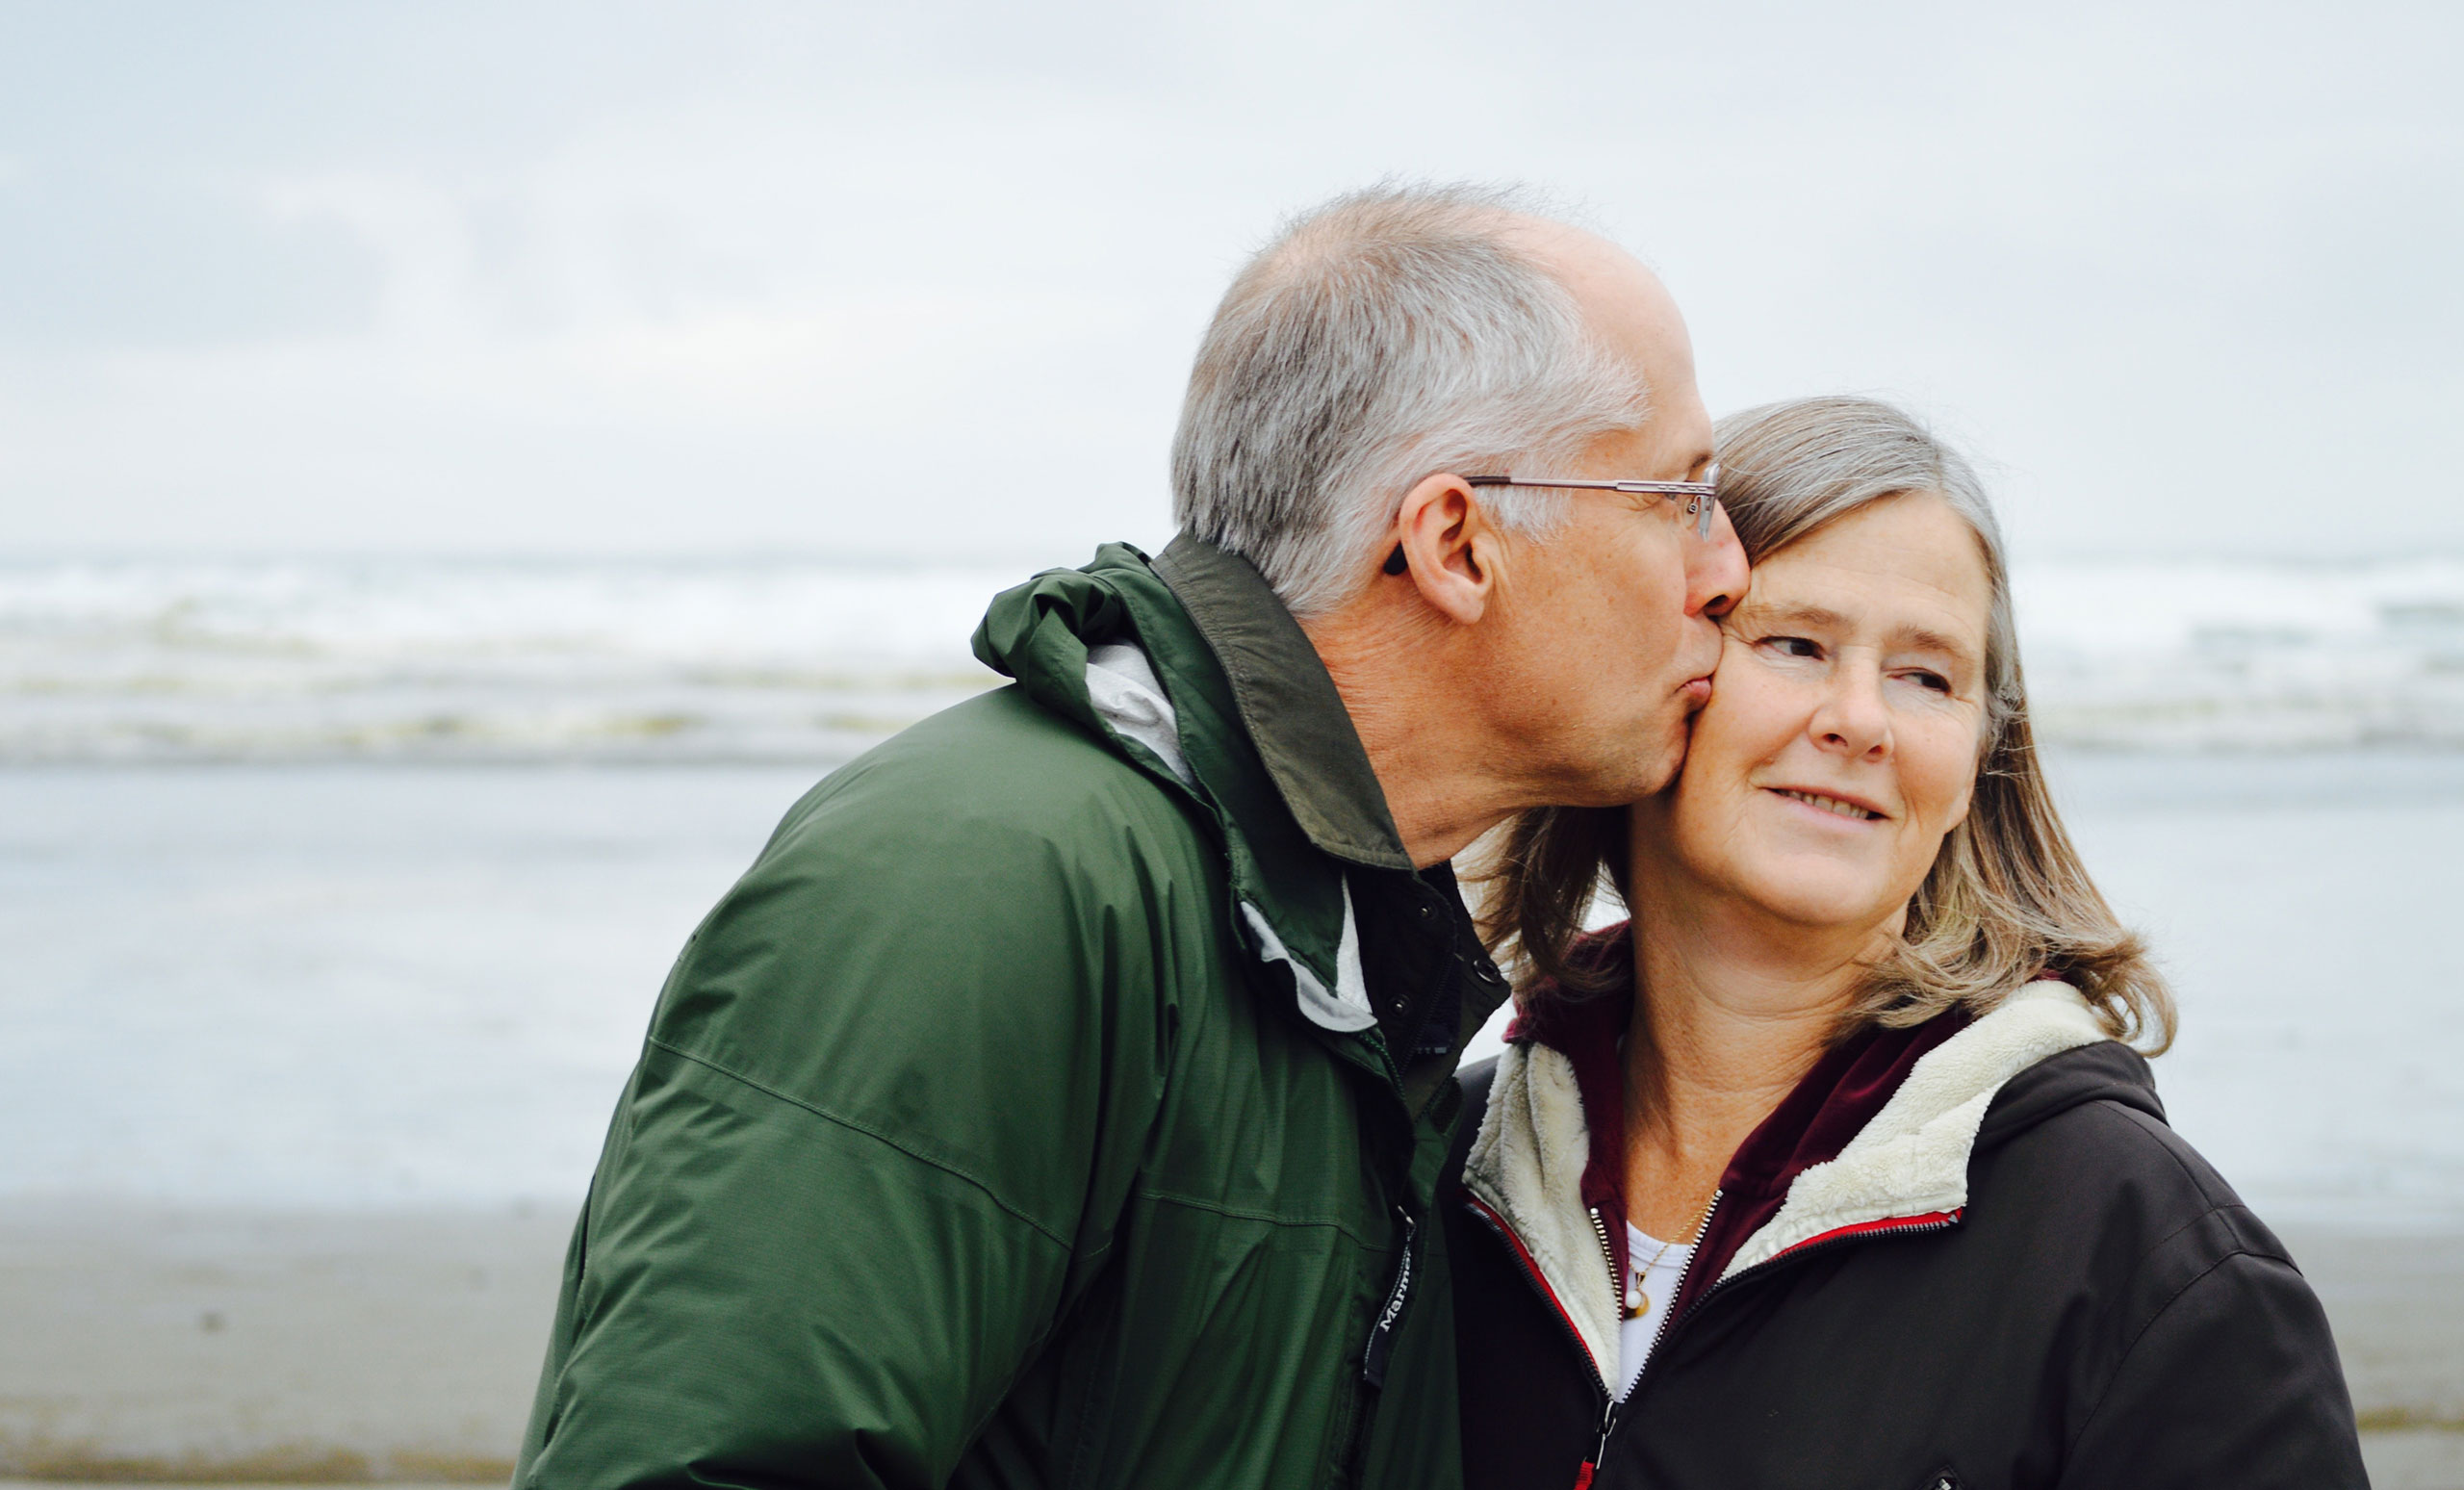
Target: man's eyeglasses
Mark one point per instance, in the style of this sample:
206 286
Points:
1702 497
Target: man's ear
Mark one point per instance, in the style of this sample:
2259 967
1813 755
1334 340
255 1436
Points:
1449 546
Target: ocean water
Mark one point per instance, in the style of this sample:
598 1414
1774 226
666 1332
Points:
804 661
351 883
476 661
413 986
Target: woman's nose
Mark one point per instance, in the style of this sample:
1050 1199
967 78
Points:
1852 719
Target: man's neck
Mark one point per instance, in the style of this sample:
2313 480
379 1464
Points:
1433 761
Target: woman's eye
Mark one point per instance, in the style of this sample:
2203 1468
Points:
1793 646
1935 681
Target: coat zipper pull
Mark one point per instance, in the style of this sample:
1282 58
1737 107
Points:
1599 1451
1381 1335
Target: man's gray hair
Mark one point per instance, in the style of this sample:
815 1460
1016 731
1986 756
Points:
1387 335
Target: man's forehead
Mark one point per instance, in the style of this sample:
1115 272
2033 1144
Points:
1591 266
1624 301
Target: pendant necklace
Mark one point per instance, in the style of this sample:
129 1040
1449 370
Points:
1641 1302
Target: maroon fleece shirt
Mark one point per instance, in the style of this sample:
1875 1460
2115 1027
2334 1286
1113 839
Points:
1831 1105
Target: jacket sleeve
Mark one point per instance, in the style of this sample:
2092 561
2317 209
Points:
2234 1381
894 1092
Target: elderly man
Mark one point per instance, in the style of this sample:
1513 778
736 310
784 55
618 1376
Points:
1057 1100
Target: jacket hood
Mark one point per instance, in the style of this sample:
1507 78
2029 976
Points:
1877 1138
1275 767
2106 1071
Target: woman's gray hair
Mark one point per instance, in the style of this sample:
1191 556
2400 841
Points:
2008 898
1789 470
1390 334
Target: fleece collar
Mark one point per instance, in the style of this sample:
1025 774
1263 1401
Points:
1911 1161
1876 1136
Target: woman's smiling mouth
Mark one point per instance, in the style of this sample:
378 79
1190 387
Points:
1837 806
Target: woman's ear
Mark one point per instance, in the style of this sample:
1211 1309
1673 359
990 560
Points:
1449 551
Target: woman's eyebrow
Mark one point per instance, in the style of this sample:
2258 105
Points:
1822 618
1815 617
1927 639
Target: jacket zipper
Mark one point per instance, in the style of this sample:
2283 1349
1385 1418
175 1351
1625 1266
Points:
1668 1326
1607 1417
1497 1223
1659 1332
1381 1333
1608 1254
1912 1229
1693 1249
1808 1249
1376 1355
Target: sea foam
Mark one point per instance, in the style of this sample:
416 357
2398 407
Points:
810 661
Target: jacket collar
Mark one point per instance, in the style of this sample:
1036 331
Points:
1303 735
1291 903
1910 1160
1876 1136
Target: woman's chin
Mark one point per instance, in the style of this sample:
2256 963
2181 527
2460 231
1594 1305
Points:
1817 900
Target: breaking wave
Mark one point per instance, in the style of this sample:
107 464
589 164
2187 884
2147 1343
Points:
814 661
480 660
2245 656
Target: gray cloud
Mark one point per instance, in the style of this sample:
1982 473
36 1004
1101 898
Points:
925 279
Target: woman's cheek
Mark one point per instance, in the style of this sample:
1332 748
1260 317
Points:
1761 713
1944 774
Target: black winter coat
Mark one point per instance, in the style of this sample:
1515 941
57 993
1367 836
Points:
2103 1314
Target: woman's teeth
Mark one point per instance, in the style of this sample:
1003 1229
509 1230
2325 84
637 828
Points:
1830 804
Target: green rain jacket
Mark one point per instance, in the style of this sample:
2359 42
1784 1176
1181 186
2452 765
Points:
1041 1110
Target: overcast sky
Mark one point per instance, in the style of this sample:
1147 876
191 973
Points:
924 279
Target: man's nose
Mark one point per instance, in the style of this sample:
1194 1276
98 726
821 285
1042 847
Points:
1716 573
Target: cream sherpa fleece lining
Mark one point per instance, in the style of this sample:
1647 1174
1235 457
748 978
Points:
1526 1165
1911 1159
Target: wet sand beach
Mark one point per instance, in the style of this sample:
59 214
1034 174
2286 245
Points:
324 1057
194 1345
225 1346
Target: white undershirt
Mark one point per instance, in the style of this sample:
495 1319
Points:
1658 1283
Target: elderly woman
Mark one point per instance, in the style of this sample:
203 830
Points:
1834 1165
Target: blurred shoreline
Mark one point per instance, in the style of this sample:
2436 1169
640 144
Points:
708 660
203 1345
